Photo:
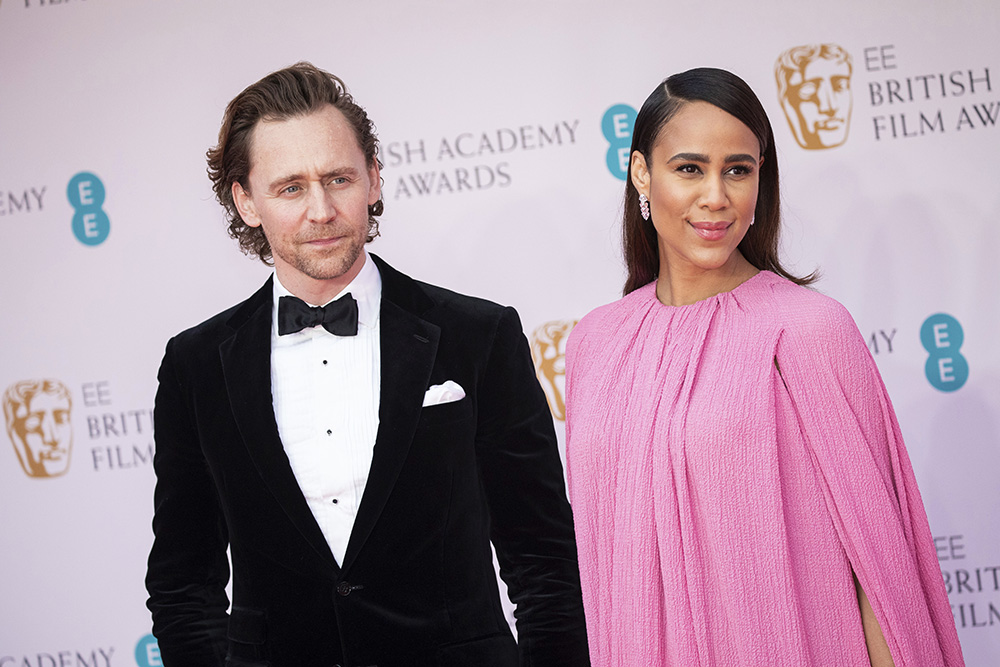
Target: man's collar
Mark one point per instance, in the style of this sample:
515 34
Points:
402 290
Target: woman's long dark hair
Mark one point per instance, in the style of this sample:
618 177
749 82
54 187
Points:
731 94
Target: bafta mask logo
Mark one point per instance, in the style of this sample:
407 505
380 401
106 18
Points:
548 350
814 87
38 423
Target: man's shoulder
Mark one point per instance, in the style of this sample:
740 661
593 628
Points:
223 324
448 299
430 300
467 321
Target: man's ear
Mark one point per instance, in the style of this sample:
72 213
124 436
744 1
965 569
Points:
639 173
244 205
375 187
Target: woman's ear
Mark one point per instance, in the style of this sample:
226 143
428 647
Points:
639 173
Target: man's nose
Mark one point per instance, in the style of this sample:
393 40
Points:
321 205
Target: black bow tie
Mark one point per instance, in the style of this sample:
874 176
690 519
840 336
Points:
339 317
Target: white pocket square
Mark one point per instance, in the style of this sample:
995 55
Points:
447 392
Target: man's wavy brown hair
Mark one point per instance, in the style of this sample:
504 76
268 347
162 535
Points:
291 92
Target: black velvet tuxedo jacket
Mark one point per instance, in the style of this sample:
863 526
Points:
417 585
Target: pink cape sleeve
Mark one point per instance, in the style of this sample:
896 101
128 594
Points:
871 493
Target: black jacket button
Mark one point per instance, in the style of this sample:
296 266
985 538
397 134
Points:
344 588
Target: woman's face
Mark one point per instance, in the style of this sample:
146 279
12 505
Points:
702 187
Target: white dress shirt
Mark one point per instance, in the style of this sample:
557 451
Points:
325 390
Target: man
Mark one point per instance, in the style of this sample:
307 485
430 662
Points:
814 87
356 459
37 415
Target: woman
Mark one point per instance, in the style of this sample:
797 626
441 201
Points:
741 491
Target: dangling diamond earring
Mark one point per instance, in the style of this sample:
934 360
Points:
644 207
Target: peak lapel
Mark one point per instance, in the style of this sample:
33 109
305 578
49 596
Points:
246 364
408 348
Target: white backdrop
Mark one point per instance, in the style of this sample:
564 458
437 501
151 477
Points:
901 219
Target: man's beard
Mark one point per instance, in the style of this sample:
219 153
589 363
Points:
329 266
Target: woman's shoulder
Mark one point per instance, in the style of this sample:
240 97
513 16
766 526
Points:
802 310
607 319
810 324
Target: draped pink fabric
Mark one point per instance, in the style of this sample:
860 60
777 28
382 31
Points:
730 463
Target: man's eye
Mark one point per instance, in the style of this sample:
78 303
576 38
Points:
291 189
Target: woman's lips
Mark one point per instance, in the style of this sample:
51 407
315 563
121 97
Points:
711 231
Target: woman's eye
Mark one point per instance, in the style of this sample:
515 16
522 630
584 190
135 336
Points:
688 169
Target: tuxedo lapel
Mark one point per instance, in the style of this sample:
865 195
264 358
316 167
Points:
246 364
408 350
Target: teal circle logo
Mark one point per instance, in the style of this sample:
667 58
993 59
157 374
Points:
616 125
942 337
85 192
147 652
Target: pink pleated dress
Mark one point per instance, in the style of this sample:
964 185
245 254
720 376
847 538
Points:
730 463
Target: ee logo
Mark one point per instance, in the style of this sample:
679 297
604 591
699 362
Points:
946 368
86 194
147 652
616 125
